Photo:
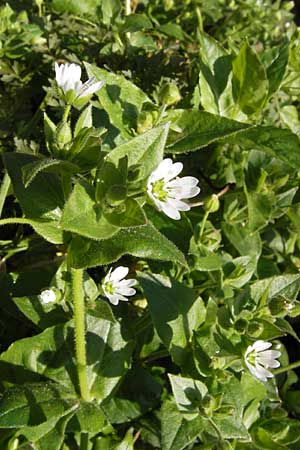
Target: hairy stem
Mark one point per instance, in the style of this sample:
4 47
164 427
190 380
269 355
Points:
4 190
79 316
291 366
66 113
15 220
84 441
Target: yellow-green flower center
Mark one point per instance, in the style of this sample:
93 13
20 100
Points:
158 190
109 288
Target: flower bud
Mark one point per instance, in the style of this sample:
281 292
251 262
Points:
145 122
255 329
213 204
241 325
277 305
170 94
116 194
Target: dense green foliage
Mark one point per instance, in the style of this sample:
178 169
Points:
215 85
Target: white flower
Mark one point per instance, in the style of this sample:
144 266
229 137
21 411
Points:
115 287
47 296
258 359
68 78
167 191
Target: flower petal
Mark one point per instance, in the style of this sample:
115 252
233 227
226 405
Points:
170 211
119 273
260 345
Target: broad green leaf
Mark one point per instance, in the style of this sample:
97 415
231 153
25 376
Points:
135 22
259 209
175 320
250 83
143 242
178 432
131 215
276 70
85 120
42 201
173 30
89 418
31 170
289 115
82 215
144 151
54 356
43 316
215 68
231 427
88 7
188 394
33 404
127 443
191 130
120 98
279 143
110 9
245 241
49 435
138 393
85 151
209 263
283 285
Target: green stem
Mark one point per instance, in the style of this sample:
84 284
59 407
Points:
203 223
199 18
15 220
66 113
84 441
287 368
4 190
79 316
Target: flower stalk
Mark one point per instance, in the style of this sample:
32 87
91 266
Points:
80 344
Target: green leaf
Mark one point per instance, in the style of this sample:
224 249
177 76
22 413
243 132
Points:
173 30
110 9
34 404
250 83
89 418
188 394
42 201
31 170
82 215
120 98
85 120
174 320
143 242
135 22
145 150
245 241
86 148
43 316
191 130
276 70
49 435
286 286
54 356
177 432
131 215
231 427
88 7
282 144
